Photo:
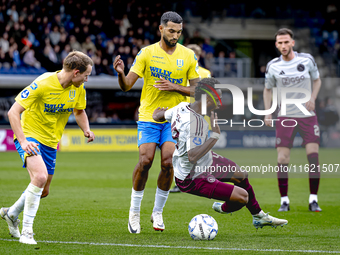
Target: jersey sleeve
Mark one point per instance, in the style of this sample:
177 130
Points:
270 80
138 66
29 94
313 69
195 135
81 104
168 114
193 69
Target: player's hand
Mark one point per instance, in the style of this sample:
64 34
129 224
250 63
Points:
158 114
90 135
118 65
310 105
268 120
214 126
164 84
31 148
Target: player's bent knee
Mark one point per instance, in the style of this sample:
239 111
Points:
145 163
167 164
40 179
239 195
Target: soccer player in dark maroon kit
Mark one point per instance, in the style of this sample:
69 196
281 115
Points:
290 71
201 172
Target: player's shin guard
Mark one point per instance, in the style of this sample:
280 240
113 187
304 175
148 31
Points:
314 173
282 177
252 205
32 202
136 200
160 199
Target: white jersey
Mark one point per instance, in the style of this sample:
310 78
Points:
296 73
190 130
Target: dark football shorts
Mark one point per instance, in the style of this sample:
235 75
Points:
211 183
286 130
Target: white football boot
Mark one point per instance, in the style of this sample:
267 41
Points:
134 222
27 237
13 224
264 219
157 220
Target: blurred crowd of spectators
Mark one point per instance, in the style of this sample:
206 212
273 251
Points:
40 33
328 39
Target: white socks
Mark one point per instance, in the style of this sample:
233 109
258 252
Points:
18 206
284 199
313 197
32 202
136 200
160 200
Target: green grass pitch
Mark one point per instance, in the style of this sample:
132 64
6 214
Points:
87 209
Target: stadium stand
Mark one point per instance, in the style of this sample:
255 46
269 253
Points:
36 35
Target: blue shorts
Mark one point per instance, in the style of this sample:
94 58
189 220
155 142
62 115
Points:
48 154
150 132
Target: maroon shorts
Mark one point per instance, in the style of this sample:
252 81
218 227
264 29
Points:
308 128
211 184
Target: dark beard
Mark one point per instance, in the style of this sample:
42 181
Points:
168 43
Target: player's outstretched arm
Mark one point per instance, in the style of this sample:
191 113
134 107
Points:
125 82
198 152
83 123
158 114
14 120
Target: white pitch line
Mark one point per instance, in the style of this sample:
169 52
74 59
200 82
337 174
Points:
178 247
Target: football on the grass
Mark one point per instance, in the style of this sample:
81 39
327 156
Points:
203 227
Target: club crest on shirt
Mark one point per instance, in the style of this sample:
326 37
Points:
180 63
197 141
25 94
300 67
72 94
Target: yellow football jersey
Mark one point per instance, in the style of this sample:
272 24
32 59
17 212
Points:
203 73
151 63
47 108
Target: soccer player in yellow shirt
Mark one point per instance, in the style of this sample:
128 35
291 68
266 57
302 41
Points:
166 67
45 106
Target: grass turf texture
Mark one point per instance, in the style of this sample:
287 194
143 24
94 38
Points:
90 198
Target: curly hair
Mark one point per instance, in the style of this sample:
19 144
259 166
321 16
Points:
205 85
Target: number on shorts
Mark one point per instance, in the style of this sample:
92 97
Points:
316 130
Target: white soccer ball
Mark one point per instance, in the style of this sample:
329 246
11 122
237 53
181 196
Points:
203 227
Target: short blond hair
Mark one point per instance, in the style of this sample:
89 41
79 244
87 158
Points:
195 48
77 60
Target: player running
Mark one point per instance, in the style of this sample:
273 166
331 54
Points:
195 165
45 107
294 70
165 66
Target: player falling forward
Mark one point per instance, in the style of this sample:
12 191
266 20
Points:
166 66
294 70
45 107
193 158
